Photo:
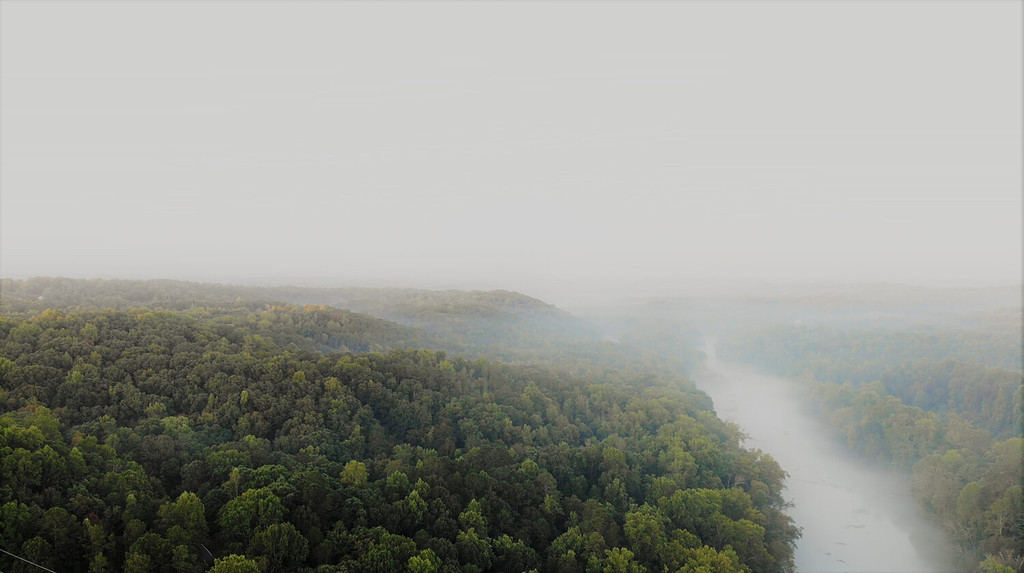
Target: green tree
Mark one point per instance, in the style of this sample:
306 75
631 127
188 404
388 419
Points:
992 564
184 519
707 560
254 509
281 545
473 517
354 474
234 564
426 562
474 550
645 531
620 560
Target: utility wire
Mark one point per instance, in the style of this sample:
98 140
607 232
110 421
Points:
27 561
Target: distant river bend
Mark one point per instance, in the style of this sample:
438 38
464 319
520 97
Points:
854 518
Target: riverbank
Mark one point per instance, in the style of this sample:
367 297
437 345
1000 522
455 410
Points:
854 517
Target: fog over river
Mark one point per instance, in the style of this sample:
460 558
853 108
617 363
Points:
855 517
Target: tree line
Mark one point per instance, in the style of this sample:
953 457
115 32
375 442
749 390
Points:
246 437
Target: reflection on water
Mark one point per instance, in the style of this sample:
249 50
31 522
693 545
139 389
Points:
854 517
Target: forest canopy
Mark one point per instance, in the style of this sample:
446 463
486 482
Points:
230 435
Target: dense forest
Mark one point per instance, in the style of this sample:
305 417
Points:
157 426
496 325
975 374
955 425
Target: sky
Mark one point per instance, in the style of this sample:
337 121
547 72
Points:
547 147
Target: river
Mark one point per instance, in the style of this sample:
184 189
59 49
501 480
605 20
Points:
855 518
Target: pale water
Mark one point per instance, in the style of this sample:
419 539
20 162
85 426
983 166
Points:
855 518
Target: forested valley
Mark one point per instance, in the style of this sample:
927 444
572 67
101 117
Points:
161 426
467 287
940 400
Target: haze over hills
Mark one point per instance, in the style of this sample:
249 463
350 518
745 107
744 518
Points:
642 349
447 287
668 144
498 324
295 437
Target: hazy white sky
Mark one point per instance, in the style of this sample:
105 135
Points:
533 146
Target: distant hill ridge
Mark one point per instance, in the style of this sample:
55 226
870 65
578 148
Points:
402 302
499 324
45 292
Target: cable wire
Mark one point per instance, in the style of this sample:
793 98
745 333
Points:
27 561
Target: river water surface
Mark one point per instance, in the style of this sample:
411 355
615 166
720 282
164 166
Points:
855 518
